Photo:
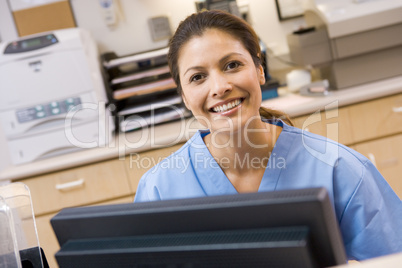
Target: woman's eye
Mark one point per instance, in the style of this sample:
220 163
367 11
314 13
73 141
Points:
195 78
232 65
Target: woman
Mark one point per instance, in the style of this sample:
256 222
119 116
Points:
214 58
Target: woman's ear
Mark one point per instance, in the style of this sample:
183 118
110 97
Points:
261 75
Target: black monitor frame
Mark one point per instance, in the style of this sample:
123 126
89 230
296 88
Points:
278 227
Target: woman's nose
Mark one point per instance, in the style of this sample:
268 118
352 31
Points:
219 85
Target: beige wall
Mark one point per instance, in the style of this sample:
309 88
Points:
131 34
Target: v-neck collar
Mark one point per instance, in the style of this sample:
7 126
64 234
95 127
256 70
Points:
214 181
277 159
210 175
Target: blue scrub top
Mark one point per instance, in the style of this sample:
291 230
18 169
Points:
368 210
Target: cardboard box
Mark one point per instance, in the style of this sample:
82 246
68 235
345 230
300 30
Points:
53 16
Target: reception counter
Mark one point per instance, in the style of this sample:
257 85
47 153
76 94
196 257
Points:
368 118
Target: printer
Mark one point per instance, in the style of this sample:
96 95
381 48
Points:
350 42
52 95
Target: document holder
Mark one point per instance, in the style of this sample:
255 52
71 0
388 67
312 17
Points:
19 244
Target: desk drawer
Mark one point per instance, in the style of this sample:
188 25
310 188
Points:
47 238
376 118
78 186
386 154
333 124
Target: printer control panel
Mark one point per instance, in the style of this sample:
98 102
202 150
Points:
46 110
30 44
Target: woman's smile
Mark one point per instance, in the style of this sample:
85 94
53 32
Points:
219 78
227 106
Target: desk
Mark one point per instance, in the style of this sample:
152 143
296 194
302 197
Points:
390 261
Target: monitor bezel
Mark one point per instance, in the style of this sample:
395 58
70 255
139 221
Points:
297 207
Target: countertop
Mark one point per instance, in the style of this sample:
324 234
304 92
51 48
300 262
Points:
169 134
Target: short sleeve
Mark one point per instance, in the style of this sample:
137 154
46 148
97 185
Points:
141 194
372 220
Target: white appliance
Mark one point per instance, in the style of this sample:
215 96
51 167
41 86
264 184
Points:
351 42
52 95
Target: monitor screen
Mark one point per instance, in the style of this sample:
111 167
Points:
292 228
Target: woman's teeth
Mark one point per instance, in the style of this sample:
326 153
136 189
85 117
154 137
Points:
225 107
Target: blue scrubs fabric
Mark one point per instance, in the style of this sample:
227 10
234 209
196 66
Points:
368 210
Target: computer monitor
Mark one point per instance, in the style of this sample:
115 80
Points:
292 228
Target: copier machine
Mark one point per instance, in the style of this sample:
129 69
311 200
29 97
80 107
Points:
52 95
350 42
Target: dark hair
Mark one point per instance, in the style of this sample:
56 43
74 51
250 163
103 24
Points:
197 23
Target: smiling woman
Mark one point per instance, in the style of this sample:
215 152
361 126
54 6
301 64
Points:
225 77
196 25
214 58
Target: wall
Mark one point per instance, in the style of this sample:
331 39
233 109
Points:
131 34
8 31
267 25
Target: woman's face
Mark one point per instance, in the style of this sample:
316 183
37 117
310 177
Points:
220 82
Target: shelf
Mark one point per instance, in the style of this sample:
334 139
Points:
146 88
136 58
142 74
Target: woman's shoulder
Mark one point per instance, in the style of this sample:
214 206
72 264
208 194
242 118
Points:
318 145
